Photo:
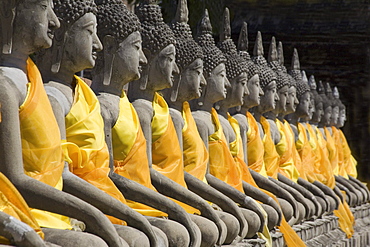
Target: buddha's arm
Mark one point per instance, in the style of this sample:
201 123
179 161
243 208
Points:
314 190
351 199
305 192
296 194
259 195
358 188
345 182
328 192
210 194
338 193
236 196
145 117
266 184
37 194
18 232
363 186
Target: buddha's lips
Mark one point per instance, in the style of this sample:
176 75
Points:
94 55
50 34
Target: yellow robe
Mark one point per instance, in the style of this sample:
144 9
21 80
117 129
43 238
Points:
41 144
166 151
236 149
85 149
332 151
290 236
285 149
13 204
255 149
129 153
195 153
305 152
222 164
349 161
271 157
323 171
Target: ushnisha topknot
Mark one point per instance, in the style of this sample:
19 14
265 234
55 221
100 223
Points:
281 77
267 75
212 55
187 50
155 33
115 19
292 81
69 11
296 67
313 87
243 51
329 94
302 85
235 65
321 90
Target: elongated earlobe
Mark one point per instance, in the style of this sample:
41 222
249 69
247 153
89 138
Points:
110 47
58 48
175 88
7 16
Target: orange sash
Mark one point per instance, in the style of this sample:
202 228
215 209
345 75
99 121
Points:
194 150
166 151
350 162
255 147
271 157
129 153
41 144
339 146
333 152
13 204
86 150
305 152
285 149
222 164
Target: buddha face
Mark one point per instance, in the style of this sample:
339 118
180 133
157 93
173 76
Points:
255 92
327 116
129 58
34 26
162 69
303 108
82 44
217 84
283 97
191 81
292 100
269 99
312 108
342 118
334 116
319 112
238 90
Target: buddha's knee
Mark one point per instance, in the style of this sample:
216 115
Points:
253 221
272 216
332 203
287 209
208 230
301 211
161 237
176 233
312 210
132 236
68 238
232 225
322 204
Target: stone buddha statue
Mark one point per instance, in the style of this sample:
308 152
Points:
73 101
118 64
161 133
187 86
33 161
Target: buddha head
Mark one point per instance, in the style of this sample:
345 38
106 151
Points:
189 58
282 80
122 57
318 103
334 105
214 64
303 90
236 66
76 42
26 26
158 47
255 91
292 101
342 108
327 105
312 108
267 78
